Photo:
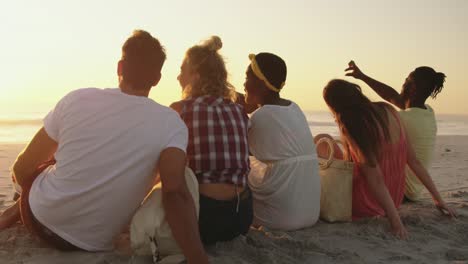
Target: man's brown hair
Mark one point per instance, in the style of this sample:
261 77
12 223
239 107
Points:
142 60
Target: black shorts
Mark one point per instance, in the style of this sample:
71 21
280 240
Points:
225 220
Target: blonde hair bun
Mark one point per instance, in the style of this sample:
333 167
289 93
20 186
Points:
214 43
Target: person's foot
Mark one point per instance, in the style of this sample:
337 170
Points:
10 216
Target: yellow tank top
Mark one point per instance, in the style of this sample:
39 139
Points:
421 127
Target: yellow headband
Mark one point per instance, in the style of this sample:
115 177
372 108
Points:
258 72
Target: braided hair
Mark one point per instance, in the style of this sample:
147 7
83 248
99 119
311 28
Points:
428 81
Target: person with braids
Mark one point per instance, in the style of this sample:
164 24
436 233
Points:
217 151
417 116
377 143
284 180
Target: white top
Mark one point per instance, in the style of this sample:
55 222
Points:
286 189
108 146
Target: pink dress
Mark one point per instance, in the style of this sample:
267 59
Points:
392 164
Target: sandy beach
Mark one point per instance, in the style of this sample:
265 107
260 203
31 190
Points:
433 237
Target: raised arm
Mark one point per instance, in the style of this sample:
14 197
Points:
179 205
377 187
426 180
41 149
386 92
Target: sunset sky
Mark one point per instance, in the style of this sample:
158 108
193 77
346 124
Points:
49 48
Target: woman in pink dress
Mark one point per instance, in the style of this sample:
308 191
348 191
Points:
375 140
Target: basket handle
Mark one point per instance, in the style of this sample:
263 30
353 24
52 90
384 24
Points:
329 160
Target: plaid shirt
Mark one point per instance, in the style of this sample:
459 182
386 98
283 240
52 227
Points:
217 148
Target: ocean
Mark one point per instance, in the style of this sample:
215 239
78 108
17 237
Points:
447 124
21 127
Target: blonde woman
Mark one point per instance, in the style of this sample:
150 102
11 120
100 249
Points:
217 151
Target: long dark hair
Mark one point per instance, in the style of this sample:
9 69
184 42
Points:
363 124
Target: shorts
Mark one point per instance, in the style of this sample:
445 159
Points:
225 220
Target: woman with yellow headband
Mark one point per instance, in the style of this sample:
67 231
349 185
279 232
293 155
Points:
284 180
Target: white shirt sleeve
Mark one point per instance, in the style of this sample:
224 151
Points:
178 135
52 121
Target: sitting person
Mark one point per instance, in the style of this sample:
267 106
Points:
379 147
287 192
108 145
217 149
417 116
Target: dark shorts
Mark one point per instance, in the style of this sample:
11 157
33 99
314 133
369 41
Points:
225 220
32 224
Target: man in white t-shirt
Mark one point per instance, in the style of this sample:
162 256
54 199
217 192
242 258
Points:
109 145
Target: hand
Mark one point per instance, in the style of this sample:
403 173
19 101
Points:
445 209
354 71
399 230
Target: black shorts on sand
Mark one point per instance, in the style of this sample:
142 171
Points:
225 220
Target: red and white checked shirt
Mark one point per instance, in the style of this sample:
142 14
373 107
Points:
217 148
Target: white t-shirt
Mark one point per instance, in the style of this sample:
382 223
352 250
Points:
108 147
286 184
